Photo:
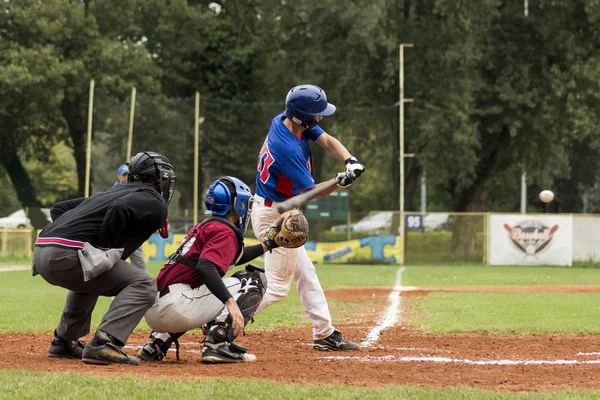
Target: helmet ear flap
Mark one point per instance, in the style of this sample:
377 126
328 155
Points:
219 197
229 194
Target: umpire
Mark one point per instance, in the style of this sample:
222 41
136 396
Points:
84 248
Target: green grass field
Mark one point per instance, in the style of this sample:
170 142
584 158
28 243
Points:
49 385
30 305
481 275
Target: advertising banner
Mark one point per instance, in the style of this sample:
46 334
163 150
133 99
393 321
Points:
383 248
531 239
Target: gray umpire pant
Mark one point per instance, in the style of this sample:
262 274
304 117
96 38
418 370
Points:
138 260
134 291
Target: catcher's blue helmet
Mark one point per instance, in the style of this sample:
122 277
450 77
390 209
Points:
229 194
304 102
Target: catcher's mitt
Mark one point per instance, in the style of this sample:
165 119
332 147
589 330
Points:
290 230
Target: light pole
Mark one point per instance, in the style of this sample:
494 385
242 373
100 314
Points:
524 174
424 193
401 140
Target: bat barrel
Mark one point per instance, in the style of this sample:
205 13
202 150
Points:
297 201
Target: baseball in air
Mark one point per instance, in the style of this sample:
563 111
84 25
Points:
546 196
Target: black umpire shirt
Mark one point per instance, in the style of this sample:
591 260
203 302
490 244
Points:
122 217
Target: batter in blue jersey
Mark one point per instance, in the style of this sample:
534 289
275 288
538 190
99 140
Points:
285 170
285 162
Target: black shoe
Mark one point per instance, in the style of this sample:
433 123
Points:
154 350
224 353
60 348
106 353
335 342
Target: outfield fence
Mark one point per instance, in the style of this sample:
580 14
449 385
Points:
16 242
431 238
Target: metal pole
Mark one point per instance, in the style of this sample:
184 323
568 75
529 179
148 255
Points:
196 155
130 132
401 152
88 156
524 174
524 193
424 192
348 226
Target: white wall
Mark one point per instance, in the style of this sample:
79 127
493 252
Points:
586 238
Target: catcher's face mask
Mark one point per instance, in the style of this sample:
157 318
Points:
241 205
167 185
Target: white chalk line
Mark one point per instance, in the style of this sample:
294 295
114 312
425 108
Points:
182 344
448 360
391 315
434 350
432 359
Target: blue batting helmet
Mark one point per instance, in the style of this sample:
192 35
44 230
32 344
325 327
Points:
229 194
304 102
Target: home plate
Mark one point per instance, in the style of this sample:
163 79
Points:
407 288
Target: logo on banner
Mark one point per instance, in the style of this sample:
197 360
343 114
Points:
531 237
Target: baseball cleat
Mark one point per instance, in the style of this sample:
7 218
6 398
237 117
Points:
60 348
106 353
335 342
225 353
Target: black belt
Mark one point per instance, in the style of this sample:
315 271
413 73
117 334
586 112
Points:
163 292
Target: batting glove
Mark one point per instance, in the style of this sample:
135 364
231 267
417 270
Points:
354 168
344 179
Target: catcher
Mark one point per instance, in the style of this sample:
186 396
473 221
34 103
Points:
192 292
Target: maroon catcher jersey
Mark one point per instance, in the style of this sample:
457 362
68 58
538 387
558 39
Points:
215 242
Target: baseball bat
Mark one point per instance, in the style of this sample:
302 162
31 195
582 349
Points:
297 201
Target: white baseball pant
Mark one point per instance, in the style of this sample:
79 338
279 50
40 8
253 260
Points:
284 264
184 308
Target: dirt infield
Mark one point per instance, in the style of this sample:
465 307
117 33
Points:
401 356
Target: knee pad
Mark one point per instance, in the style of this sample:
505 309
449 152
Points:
251 277
251 291
248 298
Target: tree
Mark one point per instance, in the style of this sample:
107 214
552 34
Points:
29 119
50 51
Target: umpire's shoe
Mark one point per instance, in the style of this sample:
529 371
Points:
61 348
335 342
106 352
224 353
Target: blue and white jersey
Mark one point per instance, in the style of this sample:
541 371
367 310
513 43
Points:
285 162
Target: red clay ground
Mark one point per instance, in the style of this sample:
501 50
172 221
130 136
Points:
411 357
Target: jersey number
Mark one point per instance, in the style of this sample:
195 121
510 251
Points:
265 160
